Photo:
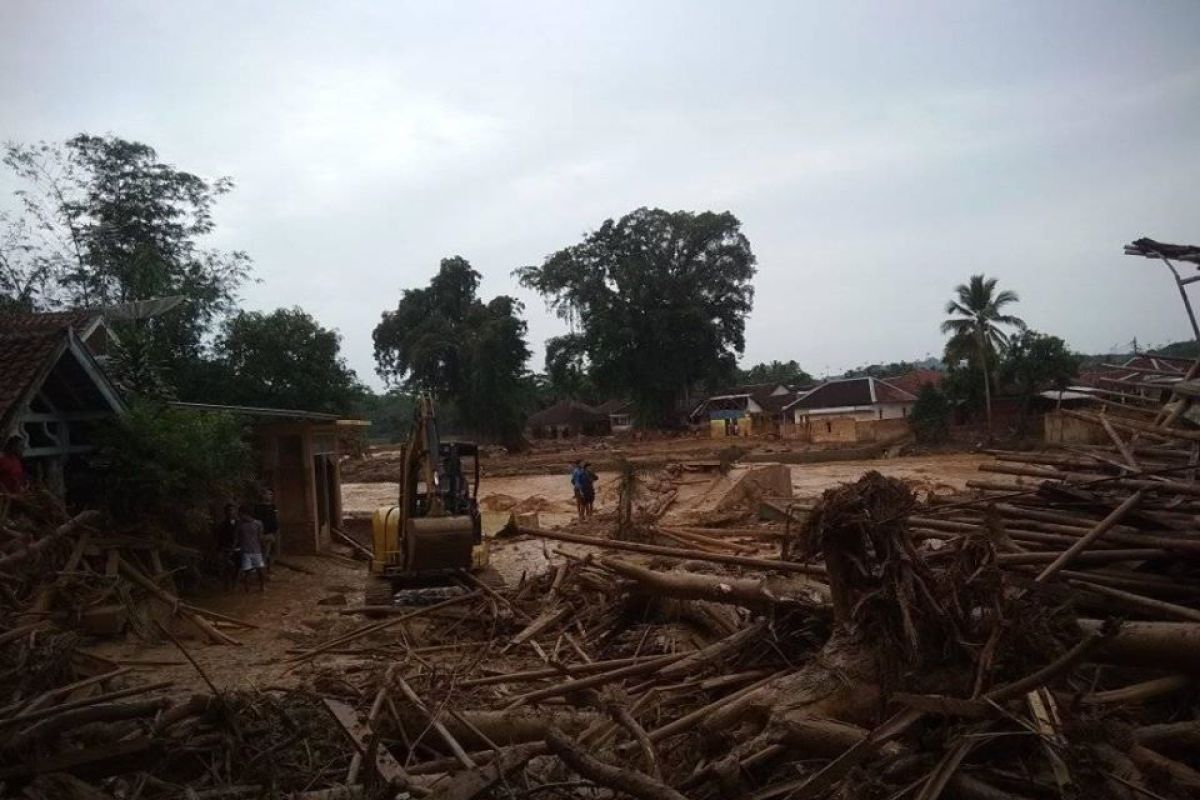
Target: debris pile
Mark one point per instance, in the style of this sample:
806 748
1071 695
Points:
1032 639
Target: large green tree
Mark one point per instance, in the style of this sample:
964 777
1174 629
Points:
1035 362
105 222
444 339
658 300
283 359
787 373
977 328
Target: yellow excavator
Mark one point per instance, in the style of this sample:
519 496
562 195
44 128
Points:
434 533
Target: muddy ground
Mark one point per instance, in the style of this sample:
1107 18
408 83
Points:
302 605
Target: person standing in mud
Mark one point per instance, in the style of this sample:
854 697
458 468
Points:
250 542
587 482
268 515
577 487
229 557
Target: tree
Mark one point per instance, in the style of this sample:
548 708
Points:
658 300
976 332
567 369
109 223
1034 362
283 359
787 373
444 340
930 417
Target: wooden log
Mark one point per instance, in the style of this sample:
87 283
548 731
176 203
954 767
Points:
556 671
138 577
1171 737
442 730
715 652
619 780
600 679
380 626
35 547
674 552
1139 692
43 713
1171 646
67 720
385 764
758 595
1096 532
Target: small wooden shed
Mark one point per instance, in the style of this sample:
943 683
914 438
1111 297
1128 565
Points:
297 454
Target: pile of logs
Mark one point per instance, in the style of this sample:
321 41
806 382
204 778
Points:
1035 637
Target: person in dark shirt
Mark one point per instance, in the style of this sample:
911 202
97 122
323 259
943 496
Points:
249 538
228 555
268 515
589 488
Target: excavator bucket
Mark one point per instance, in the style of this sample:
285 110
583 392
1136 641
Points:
434 544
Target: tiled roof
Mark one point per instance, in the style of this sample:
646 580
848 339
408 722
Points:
24 356
850 392
913 382
614 407
566 412
47 322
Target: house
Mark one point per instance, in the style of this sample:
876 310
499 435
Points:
753 409
850 410
567 419
916 380
53 391
297 456
620 414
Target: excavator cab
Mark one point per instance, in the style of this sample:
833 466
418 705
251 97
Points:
434 532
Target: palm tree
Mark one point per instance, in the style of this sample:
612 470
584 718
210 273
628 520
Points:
976 326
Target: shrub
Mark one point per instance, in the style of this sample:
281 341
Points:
931 415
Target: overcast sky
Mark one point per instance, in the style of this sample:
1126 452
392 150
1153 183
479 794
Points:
877 153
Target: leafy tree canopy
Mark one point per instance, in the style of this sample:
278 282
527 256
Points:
659 300
930 417
787 373
104 222
283 359
889 370
1188 348
1036 361
568 369
976 327
444 339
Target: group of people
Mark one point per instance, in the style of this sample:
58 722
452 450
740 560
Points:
247 541
583 481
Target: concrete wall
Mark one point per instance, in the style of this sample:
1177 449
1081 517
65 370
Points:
881 429
827 429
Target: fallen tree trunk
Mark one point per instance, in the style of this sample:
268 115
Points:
1171 646
756 595
677 552
67 528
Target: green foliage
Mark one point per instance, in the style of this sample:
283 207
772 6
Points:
443 339
1188 348
930 416
1036 361
283 359
891 369
389 413
166 463
659 300
116 225
977 329
963 384
787 373
568 369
